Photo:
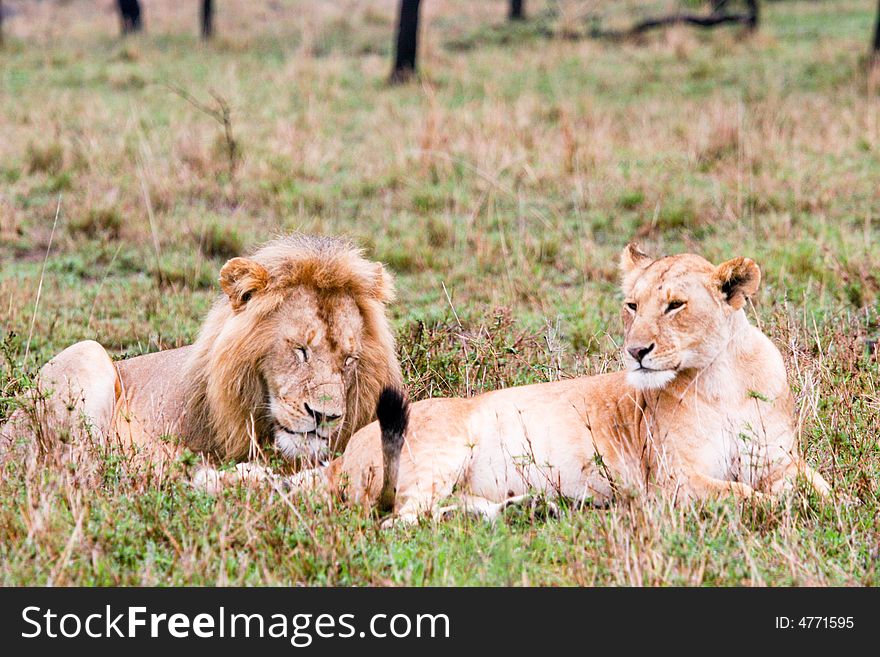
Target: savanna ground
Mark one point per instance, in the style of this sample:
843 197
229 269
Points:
500 190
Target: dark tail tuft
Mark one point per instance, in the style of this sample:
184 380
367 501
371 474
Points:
393 413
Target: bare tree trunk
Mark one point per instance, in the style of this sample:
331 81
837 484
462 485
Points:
130 14
754 14
517 10
207 17
407 42
875 47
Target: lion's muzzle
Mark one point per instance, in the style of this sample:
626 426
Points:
308 447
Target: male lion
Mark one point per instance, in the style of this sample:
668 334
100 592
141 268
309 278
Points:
296 352
703 409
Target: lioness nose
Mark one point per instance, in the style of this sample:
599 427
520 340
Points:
640 352
322 417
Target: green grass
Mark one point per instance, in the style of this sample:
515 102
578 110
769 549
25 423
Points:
512 175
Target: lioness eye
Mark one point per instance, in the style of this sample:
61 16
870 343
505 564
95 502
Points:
351 360
632 306
302 354
674 305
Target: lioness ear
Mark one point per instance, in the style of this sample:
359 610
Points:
633 258
240 279
737 279
383 288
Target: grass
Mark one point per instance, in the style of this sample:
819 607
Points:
509 177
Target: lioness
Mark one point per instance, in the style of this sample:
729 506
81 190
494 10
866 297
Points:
296 352
703 409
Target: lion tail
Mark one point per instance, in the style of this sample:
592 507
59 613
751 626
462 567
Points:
393 413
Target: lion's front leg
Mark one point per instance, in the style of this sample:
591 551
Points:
817 482
786 479
211 480
703 486
489 510
308 481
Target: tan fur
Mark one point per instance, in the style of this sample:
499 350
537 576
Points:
714 416
302 323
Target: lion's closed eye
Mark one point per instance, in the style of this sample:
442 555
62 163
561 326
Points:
302 354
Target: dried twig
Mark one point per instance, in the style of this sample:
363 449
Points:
222 113
27 347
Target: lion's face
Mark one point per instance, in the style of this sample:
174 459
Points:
677 312
296 352
305 345
307 370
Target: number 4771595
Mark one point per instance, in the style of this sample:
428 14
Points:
815 622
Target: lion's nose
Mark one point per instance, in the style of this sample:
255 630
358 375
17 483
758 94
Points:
322 417
640 352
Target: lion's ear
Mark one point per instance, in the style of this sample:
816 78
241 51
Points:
738 279
633 258
383 286
240 279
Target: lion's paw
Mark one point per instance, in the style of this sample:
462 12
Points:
207 480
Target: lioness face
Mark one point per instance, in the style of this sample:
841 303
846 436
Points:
678 312
311 364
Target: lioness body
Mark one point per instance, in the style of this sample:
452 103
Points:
296 352
503 444
704 409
